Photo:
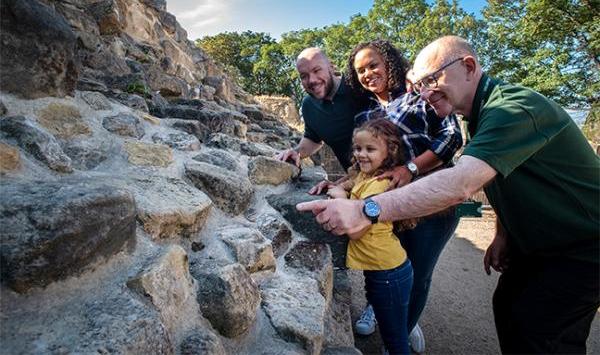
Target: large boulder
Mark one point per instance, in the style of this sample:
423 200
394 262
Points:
63 121
146 154
168 285
37 142
228 297
168 207
124 124
51 230
218 157
297 310
250 248
228 190
276 230
286 203
202 341
314 260
263 170
38 50
177 140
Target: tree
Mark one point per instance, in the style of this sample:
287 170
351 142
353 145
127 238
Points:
551 46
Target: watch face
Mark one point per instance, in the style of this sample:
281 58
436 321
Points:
371 209
412 167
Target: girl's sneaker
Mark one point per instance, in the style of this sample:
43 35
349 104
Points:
365 325
416 340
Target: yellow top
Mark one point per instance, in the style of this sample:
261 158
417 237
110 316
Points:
378 248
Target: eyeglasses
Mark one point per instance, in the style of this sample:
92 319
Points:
430 81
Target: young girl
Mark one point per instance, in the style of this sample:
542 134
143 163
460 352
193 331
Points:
376 250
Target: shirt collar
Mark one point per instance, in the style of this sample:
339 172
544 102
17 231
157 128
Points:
484 89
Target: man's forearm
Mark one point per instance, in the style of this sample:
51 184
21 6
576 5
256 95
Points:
435 192
307 147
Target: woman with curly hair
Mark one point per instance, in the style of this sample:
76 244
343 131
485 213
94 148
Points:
377 71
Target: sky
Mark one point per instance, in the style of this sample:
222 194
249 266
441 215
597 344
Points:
208 17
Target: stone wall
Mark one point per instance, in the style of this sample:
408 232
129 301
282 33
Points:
142 211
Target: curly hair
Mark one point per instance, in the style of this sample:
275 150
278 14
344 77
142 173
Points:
389 132
395 64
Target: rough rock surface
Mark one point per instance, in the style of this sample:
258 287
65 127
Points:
251 248
63 121
297 310
313 259
276 230
202 341
228 190
228 298
177 140
124 125
148 154
52 230
10 159
39 143
169 207
219 158
286 203
38 50
168 285
263 170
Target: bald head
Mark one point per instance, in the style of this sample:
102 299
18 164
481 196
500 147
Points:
316 73
447 74
441 51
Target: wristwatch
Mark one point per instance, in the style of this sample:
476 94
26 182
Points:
413 168
371 210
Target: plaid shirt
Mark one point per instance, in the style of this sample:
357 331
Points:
420 127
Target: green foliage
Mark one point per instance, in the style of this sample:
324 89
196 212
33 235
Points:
138 88
552 46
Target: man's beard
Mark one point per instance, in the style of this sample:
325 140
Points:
328 88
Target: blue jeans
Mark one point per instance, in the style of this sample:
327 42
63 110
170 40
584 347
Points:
423 245
388 291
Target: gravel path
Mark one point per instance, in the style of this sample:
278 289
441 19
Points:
458 318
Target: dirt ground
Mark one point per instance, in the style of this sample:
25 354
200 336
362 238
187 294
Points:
458 318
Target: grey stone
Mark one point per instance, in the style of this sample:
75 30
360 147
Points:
263 170
124 124
313 259
51 230
296 310
157 104
168 207
86 154
96 100
228 190
180 141
168 285
38 50
228 298
224 141
303 222
250 248
253 112
202 341
341 350
108 16
256 149
196 128
275 229
37 142
219 158
3 109
133 101
158 5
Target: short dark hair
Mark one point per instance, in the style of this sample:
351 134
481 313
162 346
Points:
395 64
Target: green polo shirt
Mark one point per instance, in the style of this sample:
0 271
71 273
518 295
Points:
332 121
547 191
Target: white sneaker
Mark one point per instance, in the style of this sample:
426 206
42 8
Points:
416 340
365 325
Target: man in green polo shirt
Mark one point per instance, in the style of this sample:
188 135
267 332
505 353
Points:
328 110
542 179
